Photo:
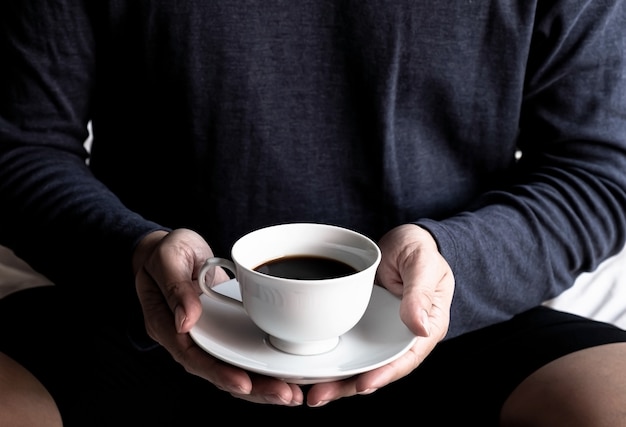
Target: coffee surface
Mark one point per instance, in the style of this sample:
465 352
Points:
305 267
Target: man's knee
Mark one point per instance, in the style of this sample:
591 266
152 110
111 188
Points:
24 401
585 388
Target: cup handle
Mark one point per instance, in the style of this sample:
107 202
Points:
208 290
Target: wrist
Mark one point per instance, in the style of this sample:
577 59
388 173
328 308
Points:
145 247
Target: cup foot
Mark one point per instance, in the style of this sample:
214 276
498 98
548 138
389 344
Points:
304 348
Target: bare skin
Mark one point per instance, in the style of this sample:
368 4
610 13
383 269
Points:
583 389
24 401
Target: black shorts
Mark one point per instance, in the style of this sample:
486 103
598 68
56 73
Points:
99 379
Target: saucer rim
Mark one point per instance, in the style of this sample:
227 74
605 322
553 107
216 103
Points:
380 296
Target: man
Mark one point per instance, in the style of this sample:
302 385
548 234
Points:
403 120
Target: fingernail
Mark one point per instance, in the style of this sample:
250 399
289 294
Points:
275 399
367 391
318 404
179 318
235 390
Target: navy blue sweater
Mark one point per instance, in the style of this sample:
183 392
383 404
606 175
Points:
225 116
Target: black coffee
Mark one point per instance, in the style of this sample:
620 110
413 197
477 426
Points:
305 267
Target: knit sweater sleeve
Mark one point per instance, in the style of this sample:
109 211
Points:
563 212
51 203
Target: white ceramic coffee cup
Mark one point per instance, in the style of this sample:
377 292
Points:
300 316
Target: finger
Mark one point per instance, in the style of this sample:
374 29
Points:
160 326
324 393
366 383
172 267
159 320
267 390
369 382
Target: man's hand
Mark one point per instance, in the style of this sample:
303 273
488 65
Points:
166 268
412 268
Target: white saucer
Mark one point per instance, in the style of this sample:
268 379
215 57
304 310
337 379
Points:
227 333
